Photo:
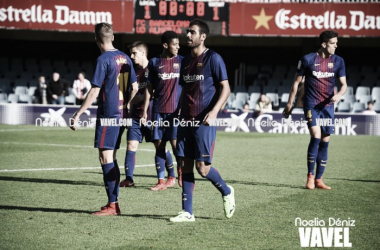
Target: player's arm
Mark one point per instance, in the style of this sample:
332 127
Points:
288 109
135 89
336 98
211 116
90 98
148 94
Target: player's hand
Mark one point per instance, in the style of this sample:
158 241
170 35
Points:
336 98
287 111
72 122
209 118
143 118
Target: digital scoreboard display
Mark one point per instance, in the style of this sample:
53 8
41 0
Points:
156 17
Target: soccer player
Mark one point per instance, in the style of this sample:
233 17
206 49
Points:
205 89
320 70
136 132
113 78
163 85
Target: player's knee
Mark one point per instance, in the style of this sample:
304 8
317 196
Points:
202 169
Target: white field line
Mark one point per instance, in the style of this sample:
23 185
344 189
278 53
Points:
60 169
64 145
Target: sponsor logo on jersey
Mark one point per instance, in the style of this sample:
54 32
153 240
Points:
317 64
166 76
193 78
200 65
142 85
320 74
330 65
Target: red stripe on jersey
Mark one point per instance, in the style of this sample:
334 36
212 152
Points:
103 137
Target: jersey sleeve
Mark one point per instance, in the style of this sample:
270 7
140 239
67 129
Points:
151 74
218 68
100 73
132 75
342 68
302 66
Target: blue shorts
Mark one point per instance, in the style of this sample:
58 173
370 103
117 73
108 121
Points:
196 142
165 129
137 132
108 137
323 117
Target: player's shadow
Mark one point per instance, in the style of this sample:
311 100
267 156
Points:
39 180
342 179
43 209
265 184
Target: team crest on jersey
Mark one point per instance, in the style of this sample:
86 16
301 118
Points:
199 65
299 64
330 65
176 65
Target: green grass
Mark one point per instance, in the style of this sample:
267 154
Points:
50 209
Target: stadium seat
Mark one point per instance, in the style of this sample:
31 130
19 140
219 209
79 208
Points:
230 100
254 97
17 65
288 83
239 88
269 89
258 82
274 82
376 94
283 90
251 70
20 90
266 68
238 104
21 82
369 80
31 90
274 98
252 103
354 79
344 107
254 89
3 98
350 99
242 96
70 99
13 98
367 69
278 75
361 90
25 98
358 107
284 100
376 107
280 68
365 99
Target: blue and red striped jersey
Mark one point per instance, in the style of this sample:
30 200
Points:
320 74
114 75
164 77
200 80
142 80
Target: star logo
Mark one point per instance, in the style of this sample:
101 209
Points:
262 20
238 122
54 118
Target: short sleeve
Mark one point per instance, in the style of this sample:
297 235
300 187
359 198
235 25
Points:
218 68
100 73
302 66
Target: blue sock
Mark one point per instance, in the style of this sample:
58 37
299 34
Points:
130 161
110 179
312 153
218 182
117 169
169 164
188 183
160 163
321 159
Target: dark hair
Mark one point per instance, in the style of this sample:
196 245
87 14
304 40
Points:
167 36
139 44
203 27
103 32
84 74
370 102
326 35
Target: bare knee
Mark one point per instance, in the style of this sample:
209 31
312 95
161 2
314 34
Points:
202 168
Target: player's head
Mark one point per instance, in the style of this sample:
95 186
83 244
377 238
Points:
41 79
170 43
139 52
103 33
329 42
55 76
196 33
81 76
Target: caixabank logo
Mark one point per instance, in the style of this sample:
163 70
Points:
333 232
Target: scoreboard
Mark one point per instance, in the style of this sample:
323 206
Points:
156 17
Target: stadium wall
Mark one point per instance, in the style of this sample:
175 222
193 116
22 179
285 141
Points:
229 121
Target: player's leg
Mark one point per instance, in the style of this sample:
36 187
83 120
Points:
160 160
106 158
322 161
170 182
185 153
205 142
130 162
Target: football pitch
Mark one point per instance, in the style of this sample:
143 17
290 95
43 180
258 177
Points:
50 182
